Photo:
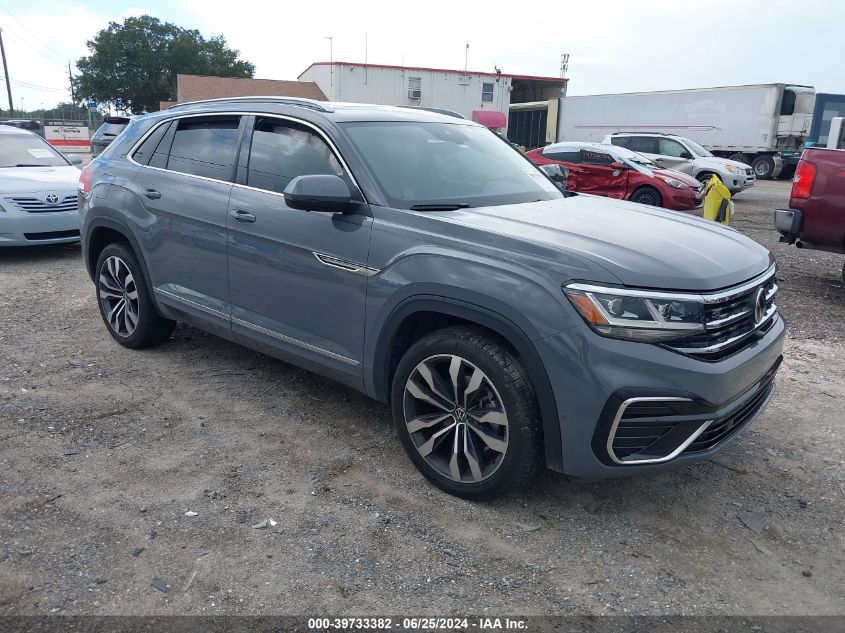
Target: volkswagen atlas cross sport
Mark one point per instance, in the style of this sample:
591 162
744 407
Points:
419 259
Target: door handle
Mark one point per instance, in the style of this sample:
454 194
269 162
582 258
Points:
243 216
152 194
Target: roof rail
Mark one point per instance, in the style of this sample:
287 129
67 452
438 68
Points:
644 132
293 101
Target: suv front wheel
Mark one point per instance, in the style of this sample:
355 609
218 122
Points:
124 300
466 414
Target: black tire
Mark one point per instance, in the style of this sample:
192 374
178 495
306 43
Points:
763 166
649 196
150 327
505 380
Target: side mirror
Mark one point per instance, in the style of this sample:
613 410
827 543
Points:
319 192
75 159
686 156
618 164
557 173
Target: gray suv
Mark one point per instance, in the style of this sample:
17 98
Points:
419 259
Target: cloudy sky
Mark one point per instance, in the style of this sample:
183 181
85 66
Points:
614 46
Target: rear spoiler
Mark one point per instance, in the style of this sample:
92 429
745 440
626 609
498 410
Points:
118 120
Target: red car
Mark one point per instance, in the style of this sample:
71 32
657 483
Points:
616 172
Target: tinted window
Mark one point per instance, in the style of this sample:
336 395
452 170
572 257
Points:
281 151
622 141
647 144
205 147
565 156
668 147
145 150
592 157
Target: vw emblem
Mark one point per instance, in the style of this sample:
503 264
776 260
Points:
460 415
52 198
759 306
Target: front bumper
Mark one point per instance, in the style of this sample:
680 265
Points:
20 228
739 182
593 376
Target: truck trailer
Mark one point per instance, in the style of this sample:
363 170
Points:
762 125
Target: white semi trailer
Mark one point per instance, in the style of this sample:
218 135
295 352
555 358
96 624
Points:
763 125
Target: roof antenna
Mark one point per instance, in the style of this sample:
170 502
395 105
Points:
466 57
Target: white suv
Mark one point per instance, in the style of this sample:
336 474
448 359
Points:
683 154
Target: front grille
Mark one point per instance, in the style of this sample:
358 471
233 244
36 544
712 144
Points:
37 205
749 172
51 235
732 320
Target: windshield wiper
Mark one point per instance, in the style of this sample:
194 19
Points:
31 165
439 207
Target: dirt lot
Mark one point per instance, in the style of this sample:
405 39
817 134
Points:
104 450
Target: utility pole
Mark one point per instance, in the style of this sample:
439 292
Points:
70 78
6 73
330 38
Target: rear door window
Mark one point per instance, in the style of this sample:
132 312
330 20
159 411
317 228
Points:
283 150
205 147
643 144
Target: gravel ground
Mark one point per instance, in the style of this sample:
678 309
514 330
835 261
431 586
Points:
106 454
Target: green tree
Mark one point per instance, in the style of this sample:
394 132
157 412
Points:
134 65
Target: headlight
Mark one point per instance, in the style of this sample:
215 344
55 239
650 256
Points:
734 170
677 184
637 315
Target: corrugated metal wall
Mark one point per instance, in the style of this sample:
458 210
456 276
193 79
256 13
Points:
389 86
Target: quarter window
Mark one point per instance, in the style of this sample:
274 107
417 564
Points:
281 151
205 147
148 147
487 92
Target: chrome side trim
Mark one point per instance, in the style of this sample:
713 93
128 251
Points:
193 304
656 460
705 297
287 339
345 264
187 115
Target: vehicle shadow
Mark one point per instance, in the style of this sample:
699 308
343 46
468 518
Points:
38 253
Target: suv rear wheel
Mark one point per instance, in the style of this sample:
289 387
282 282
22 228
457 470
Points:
466 414
124 299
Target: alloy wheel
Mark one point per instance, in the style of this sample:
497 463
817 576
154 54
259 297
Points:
455 418
118 296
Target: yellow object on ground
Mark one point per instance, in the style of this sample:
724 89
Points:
718 205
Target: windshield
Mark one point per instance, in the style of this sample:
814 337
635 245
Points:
28 150
697 149
420 164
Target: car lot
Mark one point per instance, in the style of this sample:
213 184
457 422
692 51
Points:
105 450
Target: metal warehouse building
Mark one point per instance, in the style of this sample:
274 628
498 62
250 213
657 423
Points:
480 96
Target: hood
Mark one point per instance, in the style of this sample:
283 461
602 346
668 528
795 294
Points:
15 180
678 175
641 246
715 162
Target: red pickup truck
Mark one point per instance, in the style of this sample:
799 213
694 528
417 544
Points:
816 214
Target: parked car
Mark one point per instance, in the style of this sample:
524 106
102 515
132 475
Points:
109 130
419 259
816 215
615 172
25 124
38 200
683 154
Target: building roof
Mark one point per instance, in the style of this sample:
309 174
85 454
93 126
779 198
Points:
199 87
558 80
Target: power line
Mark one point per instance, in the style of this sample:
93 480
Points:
35 37
28 47
34 86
